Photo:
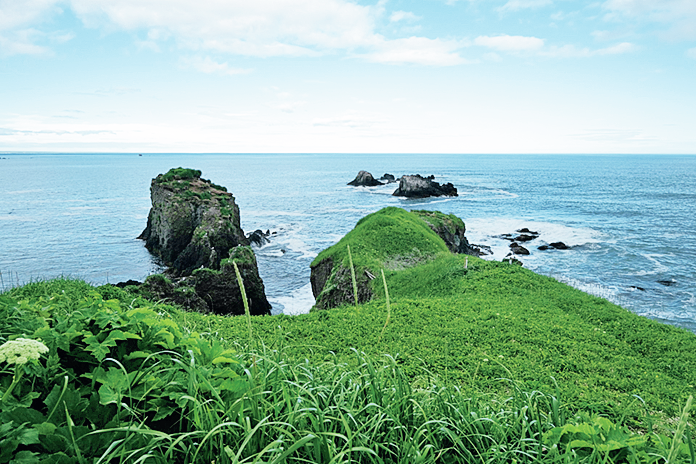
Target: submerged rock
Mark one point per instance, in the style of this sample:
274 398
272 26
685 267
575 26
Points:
417 186
194 227
364 179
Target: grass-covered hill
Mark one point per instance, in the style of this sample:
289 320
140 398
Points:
473 322
465 361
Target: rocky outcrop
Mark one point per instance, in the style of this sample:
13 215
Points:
451 229
518 249
388 178
333 286
554 246
364 179
193 223
194 227
417 186
259 237
391 239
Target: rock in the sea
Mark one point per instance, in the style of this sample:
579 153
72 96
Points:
524 238
418 186
667 283
388 178
258 237
554 246
194 227
518 249
192 223
364 179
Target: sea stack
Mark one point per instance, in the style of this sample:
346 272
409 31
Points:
194 228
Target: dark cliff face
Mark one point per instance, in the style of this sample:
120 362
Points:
194 227
192 222
450 228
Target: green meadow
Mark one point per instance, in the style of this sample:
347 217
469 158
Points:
455 359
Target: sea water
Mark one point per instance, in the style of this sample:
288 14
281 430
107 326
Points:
629 220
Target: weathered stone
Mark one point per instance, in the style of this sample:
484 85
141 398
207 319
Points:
388 178
364 179
194 228
559 245
339 290
258 237
450 228
220 289
193 223
518 249
417 186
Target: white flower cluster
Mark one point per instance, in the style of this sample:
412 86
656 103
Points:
21 350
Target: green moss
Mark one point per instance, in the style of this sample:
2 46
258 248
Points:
241 255
439 220
204 272
179 174
158 279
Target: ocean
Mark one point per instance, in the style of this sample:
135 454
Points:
629 220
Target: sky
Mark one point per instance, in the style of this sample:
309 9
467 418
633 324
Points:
340 76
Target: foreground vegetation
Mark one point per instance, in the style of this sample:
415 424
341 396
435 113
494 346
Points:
466 361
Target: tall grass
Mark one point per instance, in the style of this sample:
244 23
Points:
352 277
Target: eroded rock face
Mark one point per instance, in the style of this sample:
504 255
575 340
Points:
417 186
194 228
364 179
340 288
192 222
451 229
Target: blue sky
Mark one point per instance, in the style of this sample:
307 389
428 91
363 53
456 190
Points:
457 76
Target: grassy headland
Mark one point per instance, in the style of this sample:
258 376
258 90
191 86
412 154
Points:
480 362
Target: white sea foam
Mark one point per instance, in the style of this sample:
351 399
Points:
300 301
658 266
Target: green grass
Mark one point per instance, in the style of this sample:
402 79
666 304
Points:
179 174
485 363
391 238
271 403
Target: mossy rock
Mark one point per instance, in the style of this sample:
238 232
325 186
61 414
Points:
391 239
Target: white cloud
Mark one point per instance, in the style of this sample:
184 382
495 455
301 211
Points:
266 28
571 51
510 43
17 20
403 16
259 28
678 15
691 53
417 50
516 5
209 66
